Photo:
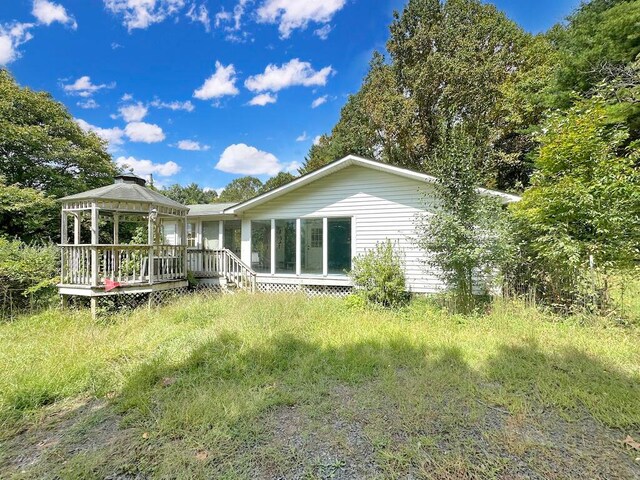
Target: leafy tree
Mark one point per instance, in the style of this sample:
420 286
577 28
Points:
377 122
192 194
600 36
26 213
452 59
465 235
240 189
42 147
584 202
277 181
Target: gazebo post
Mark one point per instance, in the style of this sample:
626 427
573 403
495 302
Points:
76 228
150 241
116 228
95 271
183 245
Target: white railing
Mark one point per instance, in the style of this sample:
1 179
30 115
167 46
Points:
223 263
90 265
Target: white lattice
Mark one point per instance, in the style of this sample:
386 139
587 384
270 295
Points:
309 290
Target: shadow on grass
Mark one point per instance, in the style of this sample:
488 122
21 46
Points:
219 395
418 410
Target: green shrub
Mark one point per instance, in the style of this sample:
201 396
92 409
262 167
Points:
28 275
378 276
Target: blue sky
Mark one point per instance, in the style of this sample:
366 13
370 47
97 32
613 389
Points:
205 91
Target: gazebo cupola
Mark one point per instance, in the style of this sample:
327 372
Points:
125 235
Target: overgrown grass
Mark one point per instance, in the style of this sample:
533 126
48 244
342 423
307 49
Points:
267 386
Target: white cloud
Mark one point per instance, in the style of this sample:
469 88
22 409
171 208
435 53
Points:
111 135
133 113
115 46
244 159
224 17
289 74
263 99
293 167
221 83
126 97
319 101
12 35
302 138
200 14
316 139
192 146
293 14
48 12
87 104
143 13
175 105
144 132
146 167
84 88
323 32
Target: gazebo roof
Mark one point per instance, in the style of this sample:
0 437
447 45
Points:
126 192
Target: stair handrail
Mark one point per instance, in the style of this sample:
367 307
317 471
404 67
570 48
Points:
238 272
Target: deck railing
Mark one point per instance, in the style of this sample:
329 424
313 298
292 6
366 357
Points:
90 265
206 263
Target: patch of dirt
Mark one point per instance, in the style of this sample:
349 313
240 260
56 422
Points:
304 445
64 431
366 435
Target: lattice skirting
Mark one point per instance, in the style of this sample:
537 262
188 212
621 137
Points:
128 301
309 290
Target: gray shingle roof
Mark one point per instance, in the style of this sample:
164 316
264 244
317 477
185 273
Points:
125 192
208 209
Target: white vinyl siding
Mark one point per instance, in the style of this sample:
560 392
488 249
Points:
381 205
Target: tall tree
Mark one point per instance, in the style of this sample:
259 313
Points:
192 194
376 122
600 37
452 58
27 214
42 147
277 181
240 189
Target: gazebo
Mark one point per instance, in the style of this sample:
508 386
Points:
123 238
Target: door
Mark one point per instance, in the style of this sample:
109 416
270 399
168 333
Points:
312 246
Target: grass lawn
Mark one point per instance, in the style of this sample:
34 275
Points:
266 386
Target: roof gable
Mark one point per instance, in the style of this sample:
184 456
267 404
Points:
350 160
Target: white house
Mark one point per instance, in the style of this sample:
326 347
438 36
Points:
300 236
305 234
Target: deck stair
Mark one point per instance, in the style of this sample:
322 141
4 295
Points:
223 264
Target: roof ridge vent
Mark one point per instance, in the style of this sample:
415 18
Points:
130 177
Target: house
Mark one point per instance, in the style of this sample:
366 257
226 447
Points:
300 236
304 234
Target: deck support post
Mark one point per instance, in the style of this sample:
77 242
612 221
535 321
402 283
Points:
94 307
64 302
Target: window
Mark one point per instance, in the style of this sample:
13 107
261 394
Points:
261 246
191 234
232 236
311 245
285 246
210 238
339 248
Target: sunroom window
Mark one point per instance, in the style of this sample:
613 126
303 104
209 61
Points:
261 246
339 245
285 246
